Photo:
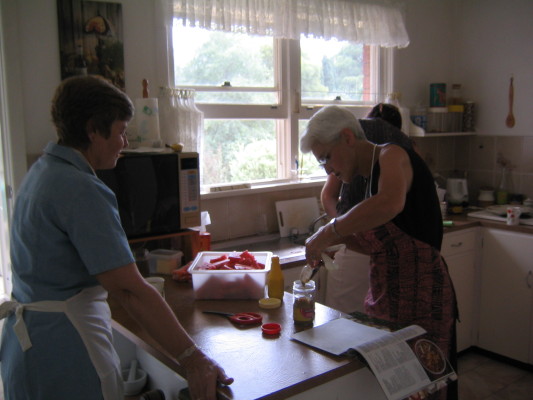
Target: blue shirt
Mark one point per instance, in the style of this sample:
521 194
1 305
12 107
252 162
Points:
66 229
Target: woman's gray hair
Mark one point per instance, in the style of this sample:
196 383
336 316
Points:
326 126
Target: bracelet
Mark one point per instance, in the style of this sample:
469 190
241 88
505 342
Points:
333 223
187 352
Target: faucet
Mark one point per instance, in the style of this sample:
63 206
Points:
313 224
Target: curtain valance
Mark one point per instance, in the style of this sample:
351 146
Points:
376 22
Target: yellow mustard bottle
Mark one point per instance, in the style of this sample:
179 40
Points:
276 282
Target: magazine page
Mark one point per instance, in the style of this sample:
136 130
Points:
394 364
339 336
404 362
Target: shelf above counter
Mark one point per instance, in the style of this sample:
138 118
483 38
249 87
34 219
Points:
416 131
439 134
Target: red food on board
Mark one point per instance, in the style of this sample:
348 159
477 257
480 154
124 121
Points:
243 261
217 259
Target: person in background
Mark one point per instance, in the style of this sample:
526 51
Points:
68 252
398 224
387 112
347 286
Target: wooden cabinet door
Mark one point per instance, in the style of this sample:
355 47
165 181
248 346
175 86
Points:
506 296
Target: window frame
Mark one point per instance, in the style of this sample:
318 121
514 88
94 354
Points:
6 171
290 108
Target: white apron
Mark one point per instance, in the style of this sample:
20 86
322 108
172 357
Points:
346 287
89 312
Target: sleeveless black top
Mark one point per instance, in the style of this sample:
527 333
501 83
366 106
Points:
421 217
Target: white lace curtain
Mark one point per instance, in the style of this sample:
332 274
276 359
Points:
372 22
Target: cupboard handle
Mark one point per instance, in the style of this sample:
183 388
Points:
458 244
527 279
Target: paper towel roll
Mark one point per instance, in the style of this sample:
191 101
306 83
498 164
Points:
147 118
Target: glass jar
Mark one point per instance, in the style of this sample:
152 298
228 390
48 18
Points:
456 98
468 117
505 188
303 309
437 119
455 118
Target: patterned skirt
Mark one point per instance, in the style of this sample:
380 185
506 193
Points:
410 285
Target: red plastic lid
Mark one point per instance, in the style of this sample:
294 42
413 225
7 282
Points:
271 328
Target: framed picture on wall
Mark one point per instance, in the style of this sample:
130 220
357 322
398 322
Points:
90 39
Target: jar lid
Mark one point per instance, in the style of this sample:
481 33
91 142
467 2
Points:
456 108
271 328
269 302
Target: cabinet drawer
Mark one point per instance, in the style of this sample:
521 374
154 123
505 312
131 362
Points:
458 242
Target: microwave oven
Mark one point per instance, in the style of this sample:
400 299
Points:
157 193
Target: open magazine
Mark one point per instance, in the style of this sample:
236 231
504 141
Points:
404 361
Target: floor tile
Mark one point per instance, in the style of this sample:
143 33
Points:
522 389
473 386
483 378
470 361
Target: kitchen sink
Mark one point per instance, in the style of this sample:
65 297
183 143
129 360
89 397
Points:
300 239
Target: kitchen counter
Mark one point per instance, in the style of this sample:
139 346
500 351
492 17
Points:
263 367
292 254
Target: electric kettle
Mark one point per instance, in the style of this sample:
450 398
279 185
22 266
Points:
457 190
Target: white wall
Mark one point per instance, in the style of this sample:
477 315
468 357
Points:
428 58
478 43
494 43
33 68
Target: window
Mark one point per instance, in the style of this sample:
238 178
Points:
257 94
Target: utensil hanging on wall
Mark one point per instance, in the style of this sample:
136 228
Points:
510 121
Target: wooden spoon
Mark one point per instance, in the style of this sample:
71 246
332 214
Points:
509 121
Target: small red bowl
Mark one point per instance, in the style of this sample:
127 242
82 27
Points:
271 329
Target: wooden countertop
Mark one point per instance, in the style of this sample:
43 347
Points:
264 367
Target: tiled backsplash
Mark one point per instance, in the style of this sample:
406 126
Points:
240 216
476 156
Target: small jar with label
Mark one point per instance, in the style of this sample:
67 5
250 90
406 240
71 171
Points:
303 302
455 118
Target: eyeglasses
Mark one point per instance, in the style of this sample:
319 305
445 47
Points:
324 160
